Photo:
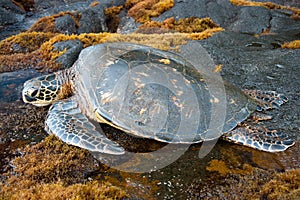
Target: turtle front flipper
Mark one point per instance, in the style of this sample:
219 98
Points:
66 121
267 99
259 138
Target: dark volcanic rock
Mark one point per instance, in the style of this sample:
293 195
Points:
281 23
14 20
73 48
10 13
127 25
54 6
93 20
252 20
65 25
244 19
221 11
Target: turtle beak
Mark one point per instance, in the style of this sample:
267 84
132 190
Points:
33 101
28 99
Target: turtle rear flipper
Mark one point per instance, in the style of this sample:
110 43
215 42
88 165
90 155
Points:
267 99
259 138
66 121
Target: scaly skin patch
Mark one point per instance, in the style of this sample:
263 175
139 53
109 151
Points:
267 99
259 138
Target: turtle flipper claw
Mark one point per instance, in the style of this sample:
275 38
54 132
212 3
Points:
66 121
267 99
259 138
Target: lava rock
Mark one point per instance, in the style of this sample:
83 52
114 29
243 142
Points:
10 13
127 25
93 20
185 9
70 56
252 20
281 23
65 25
220 11
55 6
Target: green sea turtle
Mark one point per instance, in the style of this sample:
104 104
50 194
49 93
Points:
147 93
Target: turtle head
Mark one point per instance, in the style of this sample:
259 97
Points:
41 91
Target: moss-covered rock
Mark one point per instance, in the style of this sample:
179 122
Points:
143 10
186 25
47 24
53 169
292 45
112 18
269 5
24 42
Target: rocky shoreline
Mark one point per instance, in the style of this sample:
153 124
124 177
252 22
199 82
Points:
256 43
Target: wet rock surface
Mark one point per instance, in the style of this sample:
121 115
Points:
250 51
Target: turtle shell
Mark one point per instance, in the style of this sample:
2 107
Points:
153 94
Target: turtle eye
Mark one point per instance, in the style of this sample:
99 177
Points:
33 92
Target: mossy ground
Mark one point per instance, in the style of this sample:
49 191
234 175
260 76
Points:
52 169
283 186
186 25
55 170
257 184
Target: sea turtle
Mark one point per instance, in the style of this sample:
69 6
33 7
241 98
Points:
148 93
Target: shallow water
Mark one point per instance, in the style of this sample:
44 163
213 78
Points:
11 84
